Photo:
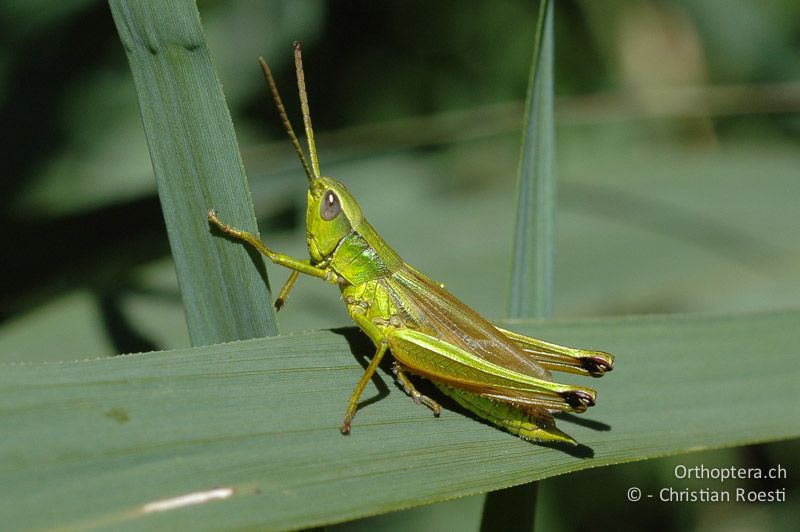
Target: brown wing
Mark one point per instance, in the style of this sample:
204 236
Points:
433 310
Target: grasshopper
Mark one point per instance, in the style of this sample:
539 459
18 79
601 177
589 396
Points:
501 376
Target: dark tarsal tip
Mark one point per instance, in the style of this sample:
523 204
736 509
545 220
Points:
579 399
596 366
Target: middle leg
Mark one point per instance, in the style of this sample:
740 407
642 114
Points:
409 388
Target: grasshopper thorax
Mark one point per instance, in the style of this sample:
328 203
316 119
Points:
331 215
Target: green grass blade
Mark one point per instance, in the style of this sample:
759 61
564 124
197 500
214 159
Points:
533 255
89 443
197 166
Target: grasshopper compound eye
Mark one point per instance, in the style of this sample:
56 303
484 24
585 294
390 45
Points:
330 207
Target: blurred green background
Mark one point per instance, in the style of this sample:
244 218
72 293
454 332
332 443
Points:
678 161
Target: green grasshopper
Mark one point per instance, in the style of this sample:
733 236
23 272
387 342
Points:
501 376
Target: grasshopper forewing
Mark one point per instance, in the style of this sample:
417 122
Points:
499 375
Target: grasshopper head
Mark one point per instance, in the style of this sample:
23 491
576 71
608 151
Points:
332 213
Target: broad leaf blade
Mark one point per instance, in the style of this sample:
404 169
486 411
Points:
197 166
261 416
533 254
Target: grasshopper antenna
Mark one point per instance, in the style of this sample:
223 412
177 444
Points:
273 88
301 87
